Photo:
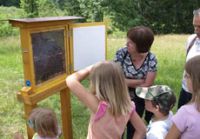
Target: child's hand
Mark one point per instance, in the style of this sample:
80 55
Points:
89 68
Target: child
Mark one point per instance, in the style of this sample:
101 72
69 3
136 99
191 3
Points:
108 100
44 123
186 122
159 100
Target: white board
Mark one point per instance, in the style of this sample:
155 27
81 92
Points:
89 45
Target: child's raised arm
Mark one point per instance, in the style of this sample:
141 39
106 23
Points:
74 83
138 124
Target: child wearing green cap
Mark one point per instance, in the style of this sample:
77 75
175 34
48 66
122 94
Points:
159 100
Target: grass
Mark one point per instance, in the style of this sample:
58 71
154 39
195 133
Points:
169 50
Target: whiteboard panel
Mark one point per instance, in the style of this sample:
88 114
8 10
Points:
89 45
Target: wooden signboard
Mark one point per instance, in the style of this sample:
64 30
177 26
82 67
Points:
52 48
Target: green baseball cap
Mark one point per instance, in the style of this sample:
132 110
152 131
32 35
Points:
150 92
161 94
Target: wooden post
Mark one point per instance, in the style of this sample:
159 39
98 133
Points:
66 113
28 109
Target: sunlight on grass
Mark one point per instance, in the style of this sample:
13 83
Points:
169 50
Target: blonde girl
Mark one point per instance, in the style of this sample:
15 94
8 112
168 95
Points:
108 100
186 122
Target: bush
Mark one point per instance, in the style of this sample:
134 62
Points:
49 8
7 13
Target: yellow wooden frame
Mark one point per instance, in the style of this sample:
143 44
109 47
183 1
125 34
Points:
31 95
51 82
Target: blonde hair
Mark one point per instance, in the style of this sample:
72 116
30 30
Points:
192 68
108 83
44 122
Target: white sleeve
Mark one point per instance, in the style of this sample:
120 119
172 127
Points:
156 133
154 136
190 38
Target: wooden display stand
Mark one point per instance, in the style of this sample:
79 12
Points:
53 48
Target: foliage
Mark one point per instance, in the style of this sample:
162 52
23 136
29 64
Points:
10 3
91 10
48 8
166 16
30 7
169 16
9 13
122 13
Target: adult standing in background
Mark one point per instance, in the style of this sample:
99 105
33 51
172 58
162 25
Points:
139 66
192 49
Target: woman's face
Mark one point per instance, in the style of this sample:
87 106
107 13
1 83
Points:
189 82
131 46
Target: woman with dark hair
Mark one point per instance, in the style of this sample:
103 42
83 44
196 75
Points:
139 66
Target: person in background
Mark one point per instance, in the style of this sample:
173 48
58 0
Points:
139 66
186 122
43 121
159 100
192 49
108 100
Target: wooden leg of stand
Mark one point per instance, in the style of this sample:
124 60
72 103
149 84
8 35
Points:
66 113
28 109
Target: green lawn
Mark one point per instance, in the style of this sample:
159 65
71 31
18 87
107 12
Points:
169 50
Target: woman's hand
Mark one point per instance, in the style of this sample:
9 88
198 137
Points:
142 82
134 82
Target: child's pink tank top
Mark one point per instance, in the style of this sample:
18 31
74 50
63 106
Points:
103 125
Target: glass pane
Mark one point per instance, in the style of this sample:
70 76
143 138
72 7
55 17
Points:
48 54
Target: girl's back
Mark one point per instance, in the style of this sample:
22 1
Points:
108 100
107 125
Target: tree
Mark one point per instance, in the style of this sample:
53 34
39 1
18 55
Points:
8 3
163 16
30 7
91 10
166 16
